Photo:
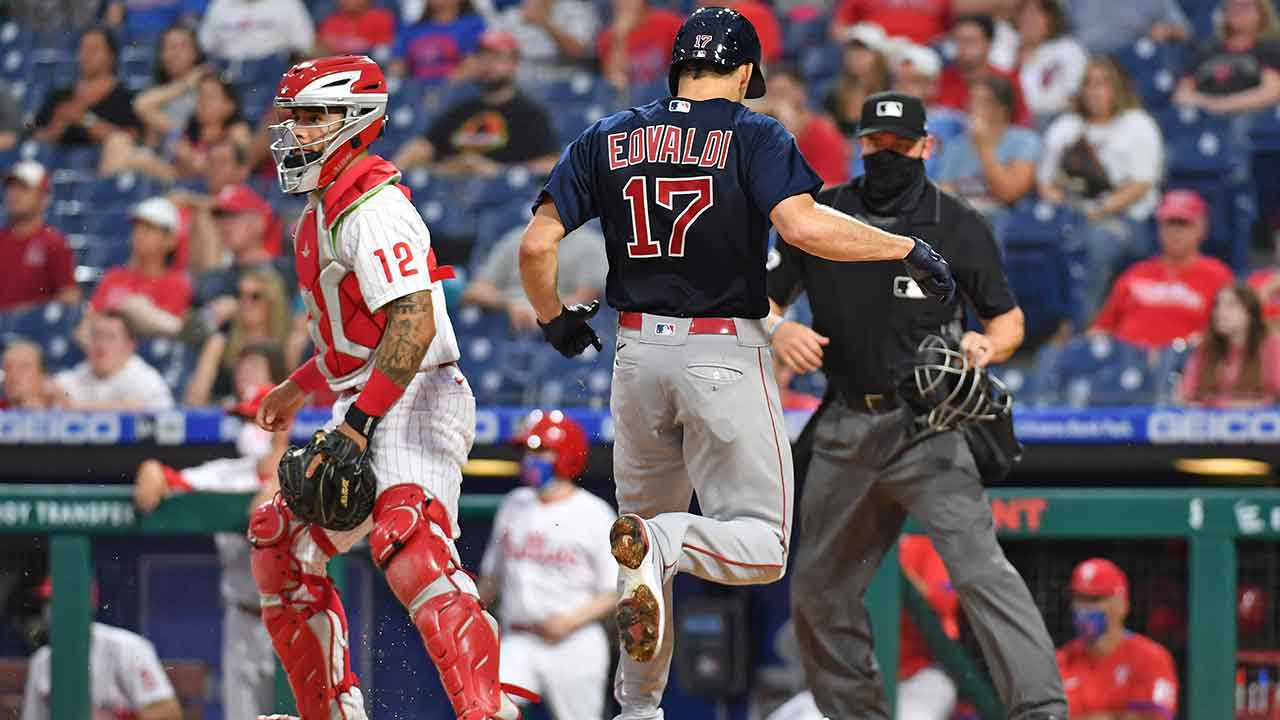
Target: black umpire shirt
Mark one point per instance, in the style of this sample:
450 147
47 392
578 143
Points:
873 312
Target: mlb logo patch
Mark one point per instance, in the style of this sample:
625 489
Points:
680 106
664 329
889 108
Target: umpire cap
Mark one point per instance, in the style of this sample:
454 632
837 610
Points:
721 37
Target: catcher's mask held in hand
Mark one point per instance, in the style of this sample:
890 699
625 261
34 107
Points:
955 391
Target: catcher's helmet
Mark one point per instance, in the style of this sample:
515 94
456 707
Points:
722 37
955 391
557 433
351 84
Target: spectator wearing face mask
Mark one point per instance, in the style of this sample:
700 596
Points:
1107 670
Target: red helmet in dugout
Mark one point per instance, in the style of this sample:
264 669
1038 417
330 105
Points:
352 85
555 432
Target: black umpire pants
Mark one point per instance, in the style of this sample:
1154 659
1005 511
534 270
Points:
866 473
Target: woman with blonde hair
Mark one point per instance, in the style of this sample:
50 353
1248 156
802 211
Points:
1238 362
262 315
1240 70
1106 158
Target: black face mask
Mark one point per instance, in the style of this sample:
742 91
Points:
892 183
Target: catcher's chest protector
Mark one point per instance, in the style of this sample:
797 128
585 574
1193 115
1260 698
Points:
344 330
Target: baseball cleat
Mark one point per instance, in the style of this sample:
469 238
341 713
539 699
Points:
640 612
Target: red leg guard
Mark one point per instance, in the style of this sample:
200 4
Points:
460 636
305 619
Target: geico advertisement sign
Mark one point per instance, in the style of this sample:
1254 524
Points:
59 428
1220 426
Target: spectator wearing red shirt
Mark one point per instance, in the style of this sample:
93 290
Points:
1159 300
972 35
39 263
356 28
152 294
636 47
762 18
820 141
1238 363
922 21
1108 671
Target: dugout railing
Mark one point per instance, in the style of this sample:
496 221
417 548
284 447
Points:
1210 520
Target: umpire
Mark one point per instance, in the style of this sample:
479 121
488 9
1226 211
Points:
871 462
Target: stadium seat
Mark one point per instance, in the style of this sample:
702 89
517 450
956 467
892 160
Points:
172 358
1197 142
1095 370
51 326
1045 274
1167 372
1155 69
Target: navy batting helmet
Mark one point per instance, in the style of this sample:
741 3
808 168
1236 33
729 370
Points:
721 37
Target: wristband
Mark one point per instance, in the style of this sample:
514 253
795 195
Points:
377 397
308 377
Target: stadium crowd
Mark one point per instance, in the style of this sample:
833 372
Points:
1127 155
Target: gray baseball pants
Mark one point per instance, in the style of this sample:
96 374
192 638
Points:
867 473
699 413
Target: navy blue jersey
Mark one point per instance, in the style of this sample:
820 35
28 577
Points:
683 190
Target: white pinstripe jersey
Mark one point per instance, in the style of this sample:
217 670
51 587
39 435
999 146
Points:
381 252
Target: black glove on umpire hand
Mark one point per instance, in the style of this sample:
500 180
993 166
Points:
569 332
930 271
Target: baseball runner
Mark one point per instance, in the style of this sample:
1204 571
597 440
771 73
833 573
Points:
248 670
553 576
390 463
686 188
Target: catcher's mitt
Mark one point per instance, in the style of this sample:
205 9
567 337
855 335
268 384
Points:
339 494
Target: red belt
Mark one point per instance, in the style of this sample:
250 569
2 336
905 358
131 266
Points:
698 326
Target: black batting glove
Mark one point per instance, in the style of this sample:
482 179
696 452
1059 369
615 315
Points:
569 332
930 271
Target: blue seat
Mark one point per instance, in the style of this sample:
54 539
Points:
1021 383
1264 131
172 358
51 326
821 62
1045 274
256 70
1095 370
1155 69
105 251
119 191
800 33
1168 369
1198 143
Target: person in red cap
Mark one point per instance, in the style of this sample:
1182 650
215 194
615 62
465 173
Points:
148 289
250 232
1164 298
41 264
636 46
550 573
499 128
248 665
1108 672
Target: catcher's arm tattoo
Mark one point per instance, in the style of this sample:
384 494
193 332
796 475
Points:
410 328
